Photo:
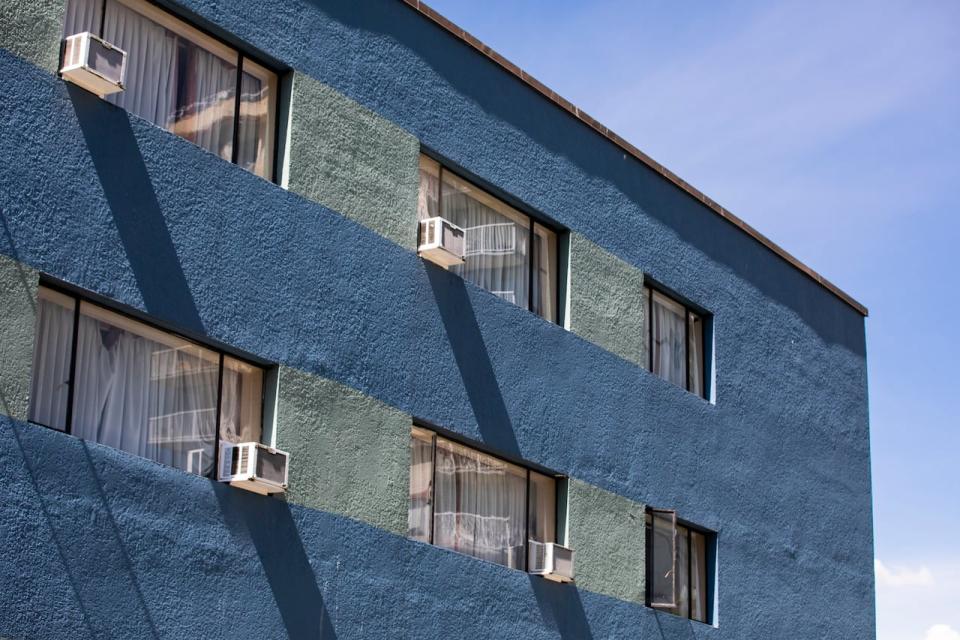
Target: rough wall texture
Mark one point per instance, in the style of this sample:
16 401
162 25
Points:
350 453
122 208
606 300
18 303
32 30
607 533
353 161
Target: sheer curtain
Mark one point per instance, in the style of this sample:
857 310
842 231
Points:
695 353
82 15
51 359
497 237
241 407
137 388
698 576
480 505
543 508
154 398
497 241
421 484
256 123
668 328
545 272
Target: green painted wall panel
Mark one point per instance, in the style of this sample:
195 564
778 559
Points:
607 533
606 300
32 30
18 304
353 161
349 453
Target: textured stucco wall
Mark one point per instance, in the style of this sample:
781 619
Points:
18 301
32 30
606 300
607 533
353 161
120 207
121 547
349 453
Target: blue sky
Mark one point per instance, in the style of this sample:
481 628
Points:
833 128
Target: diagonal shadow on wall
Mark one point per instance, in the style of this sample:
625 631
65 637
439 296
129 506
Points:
271 528
500 95
561 608
98 602
473 361
136 212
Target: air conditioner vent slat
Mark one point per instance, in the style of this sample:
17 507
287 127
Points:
254 466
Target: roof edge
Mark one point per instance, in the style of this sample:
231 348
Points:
561 102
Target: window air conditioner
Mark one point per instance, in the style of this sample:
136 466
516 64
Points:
441 242
254 467
551 561
94 64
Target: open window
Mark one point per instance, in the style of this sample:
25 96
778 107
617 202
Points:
678 559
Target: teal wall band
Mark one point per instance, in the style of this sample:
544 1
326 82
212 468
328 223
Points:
18 304
606 300
353 161
32 29
349 453
607 533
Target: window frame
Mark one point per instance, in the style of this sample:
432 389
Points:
560 491
689 312
709 560
225 50
533 221
79 297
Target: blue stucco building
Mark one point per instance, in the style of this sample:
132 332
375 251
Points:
227 251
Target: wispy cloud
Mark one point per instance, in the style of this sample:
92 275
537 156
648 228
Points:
902 576
941 632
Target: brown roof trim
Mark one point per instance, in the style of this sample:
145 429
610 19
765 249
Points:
580 115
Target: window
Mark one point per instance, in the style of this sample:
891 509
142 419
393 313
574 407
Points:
508 253
104 377
186 81
675 341
477 504
677 566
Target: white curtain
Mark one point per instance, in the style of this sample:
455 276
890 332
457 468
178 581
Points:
480 505
669 340
82 15
695 349
497 239
698 576
545 272
498 261
254 106
148 398
170 80
421 485
543 508
51 360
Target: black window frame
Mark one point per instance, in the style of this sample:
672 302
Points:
78 296
709 561
242 53
532 220
560 481
689 312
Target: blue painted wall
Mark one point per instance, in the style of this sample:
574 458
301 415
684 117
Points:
779 465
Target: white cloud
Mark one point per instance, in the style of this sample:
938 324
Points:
902 577
941 632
